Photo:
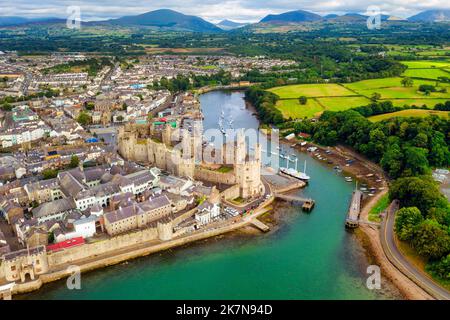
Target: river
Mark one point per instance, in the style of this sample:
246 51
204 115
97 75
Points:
310 256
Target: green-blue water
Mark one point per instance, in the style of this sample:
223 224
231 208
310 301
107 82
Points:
310 256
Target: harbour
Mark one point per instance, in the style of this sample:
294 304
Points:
304 257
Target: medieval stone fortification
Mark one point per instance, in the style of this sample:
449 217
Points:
180 153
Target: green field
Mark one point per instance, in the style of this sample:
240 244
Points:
422 64
339 97
311 90
291 108
342 103
431 73
418 102
410 113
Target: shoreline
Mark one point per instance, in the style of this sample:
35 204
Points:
143 249
369 237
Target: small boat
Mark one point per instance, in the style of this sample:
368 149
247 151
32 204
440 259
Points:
348 179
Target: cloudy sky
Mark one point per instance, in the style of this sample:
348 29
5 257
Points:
211 10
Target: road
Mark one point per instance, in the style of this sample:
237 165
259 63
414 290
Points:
394 255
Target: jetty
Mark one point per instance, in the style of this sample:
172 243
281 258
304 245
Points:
352 220
306 203
258 224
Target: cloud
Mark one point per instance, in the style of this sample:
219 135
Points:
212 10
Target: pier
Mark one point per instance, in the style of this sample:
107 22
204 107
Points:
258 224
306 203
352 220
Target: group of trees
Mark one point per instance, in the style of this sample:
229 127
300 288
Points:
264 102
192 81
424 221
92 66
403 146
382 107
406 148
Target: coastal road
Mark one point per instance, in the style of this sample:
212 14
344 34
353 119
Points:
394 255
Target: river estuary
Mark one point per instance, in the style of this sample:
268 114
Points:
309 256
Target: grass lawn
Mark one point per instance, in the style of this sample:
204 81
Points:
224 169
409 113
293 109
381 205
426 73
343 103
311 90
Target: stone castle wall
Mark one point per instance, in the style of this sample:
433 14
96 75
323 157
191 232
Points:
90 250
214 176
231 193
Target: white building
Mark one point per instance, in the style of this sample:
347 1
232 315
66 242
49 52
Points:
207 212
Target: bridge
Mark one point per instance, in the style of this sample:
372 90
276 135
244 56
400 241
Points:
306 203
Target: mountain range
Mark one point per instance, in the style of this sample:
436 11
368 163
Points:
230 25
167 19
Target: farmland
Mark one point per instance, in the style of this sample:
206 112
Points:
338 97
409 113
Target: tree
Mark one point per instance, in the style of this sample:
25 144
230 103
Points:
74 161
427 87
392 160
431 240
421 192
302 100
375 96
441 269
407 82
84 118
416 162
49 174
406 222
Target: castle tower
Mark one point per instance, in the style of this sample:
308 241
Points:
167 135
186 143
241 151
247 170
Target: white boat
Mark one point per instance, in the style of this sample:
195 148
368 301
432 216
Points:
295 174
348 179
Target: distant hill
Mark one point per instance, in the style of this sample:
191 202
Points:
15 21
291 17
165 18
331 16
431 16
229 25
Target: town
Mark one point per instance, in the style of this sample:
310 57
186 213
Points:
105 162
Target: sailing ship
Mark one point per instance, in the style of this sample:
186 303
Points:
295 173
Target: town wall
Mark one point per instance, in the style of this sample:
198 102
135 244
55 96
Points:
231 193
93 249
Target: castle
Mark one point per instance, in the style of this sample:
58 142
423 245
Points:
181 153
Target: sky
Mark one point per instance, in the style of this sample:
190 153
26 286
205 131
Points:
211 10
